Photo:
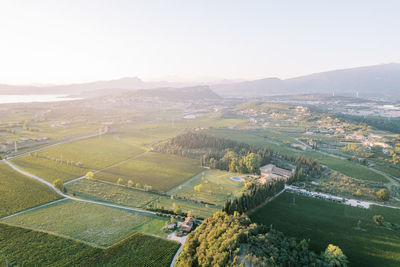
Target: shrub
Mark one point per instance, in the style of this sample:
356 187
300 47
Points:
378 219
59 185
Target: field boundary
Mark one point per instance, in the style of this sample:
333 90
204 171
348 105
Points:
33 208
108 167
58 235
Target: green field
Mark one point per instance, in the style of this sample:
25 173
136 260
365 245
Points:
48 169
348 168
72 160
18 192
160 171
217 187
91 223
131 197
98 190
94 153
147 134
24 247
393 171
326 222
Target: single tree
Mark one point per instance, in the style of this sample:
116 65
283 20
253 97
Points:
335 256
89 175
383 194
178 211
358 193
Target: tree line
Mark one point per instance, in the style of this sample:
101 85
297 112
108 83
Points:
254 195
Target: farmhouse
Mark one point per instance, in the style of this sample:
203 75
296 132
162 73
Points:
271 172
187 225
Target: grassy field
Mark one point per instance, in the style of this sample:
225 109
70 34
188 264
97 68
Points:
217 187
91 223
389 170
18 192
326 222
147 134
24 247
72 160
98 190
348 168
49 169
160 171
93 153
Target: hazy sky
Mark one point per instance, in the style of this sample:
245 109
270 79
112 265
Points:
74 41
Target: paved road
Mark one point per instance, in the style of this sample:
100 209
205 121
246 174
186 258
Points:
348 201
176 255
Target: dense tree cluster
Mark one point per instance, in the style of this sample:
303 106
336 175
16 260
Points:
275 249
216 242
306 168
247 163
217 153
255 195
232 240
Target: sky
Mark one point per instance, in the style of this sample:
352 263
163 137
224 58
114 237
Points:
49 42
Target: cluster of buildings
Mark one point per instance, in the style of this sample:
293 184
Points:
185 226
389 111
373 140
271 172
25 139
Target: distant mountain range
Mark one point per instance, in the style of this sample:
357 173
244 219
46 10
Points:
379 80
130 83
181 94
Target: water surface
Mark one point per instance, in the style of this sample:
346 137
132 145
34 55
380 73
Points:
6 99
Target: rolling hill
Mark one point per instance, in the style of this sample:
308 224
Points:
379 80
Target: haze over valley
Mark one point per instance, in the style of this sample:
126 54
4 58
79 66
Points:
200 133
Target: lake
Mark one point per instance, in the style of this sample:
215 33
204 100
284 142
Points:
6 99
